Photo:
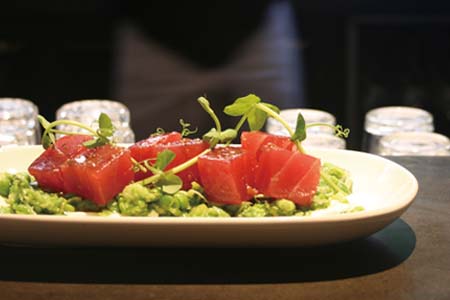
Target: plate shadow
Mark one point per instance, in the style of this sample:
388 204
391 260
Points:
381 251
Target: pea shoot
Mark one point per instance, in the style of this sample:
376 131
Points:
168 180
103 135
251 109
255 113
216 135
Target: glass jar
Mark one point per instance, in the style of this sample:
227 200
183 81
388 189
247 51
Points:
317 136
414 143
18 122
387 120
321 140
310 116
88 111
324 141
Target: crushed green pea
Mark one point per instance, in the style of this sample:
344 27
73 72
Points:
22 196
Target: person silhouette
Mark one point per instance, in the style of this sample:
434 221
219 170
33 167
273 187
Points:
168 55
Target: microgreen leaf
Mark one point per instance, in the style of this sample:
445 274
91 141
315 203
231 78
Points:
256 119
228 135
93 143
46 141
105 126
241 105
104 132
169 183
258 115
99 141
102 135
252 110
300 129
271 107
163 159
213 137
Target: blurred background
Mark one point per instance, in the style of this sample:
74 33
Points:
157 57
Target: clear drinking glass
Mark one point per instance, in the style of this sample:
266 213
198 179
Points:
18 122
88 111
414 143
325 141
317 136
387 120
310 116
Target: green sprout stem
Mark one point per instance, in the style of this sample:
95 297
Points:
216 121
205 104
69 132
189 162
138 165
277 117
69 122
101 136
175 170
319 124
241 122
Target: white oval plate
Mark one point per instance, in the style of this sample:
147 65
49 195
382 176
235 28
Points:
383 187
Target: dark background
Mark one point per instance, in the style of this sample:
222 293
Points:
357 54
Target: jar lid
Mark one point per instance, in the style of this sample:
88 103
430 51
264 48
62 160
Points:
390 119
310 116
86 111
324 141
16 108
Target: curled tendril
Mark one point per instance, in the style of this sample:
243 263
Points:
158 131
339 131
185 131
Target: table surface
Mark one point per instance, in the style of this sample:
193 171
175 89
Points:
410 259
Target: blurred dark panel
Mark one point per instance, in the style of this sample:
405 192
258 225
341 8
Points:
363 54
207 33
400 61
357 54
52 52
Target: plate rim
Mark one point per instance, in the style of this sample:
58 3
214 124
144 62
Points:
396 208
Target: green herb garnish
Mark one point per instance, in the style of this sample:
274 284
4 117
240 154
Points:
103 135
167 180
251 109
255 113
161 194
216 135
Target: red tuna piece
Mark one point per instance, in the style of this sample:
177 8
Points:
224 175
287 174
98 174
47 167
